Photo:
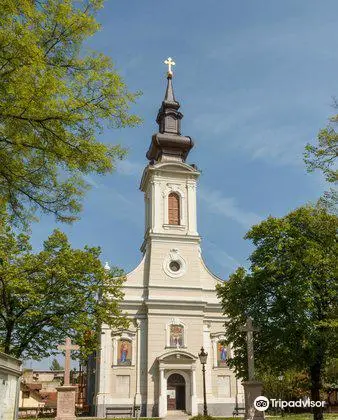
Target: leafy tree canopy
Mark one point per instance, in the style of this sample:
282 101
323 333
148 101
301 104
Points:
55 99
55 365
58 292
292 385
323 156
291 293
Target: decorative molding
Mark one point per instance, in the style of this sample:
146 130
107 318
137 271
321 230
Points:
191 186
174 255
176 321
173 187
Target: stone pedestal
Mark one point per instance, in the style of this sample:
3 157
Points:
252 390
65 407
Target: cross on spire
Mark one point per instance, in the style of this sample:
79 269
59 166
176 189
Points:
169 61
249 329
68 347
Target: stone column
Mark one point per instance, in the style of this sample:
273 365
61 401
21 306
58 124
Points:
252 390
162 401
137 399
214 351
156 204
208 366
191 206
194 408
104 367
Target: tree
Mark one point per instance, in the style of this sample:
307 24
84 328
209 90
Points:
55 365
56 97
58 292
324 157
291 294
292 385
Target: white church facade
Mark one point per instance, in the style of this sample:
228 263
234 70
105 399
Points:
170 298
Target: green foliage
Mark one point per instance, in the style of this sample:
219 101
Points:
324 157
290 386
286 416
291 292
331 373
55 365
201 417
53 294
55 99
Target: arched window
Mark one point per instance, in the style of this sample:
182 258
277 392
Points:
174 209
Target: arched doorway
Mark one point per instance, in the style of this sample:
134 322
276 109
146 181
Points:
176 392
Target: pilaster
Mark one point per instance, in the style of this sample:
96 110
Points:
208 366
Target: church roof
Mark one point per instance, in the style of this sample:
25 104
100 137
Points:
168 141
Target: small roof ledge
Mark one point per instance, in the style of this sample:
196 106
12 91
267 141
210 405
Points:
192 358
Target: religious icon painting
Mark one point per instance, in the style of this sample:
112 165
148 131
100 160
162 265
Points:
176 335
221 355
124 352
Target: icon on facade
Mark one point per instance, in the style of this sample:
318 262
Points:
176 335
124 352
221 355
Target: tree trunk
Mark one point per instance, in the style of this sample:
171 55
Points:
316 384
8 338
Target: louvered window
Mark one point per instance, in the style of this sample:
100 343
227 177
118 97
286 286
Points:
174 209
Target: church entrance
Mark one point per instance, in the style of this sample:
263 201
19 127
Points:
176 392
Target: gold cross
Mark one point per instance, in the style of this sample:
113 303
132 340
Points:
169 61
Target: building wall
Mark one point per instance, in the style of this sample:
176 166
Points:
10 372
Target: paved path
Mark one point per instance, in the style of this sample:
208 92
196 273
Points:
177 415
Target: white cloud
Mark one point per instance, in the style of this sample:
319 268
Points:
129 168
90 180
220 256
228 207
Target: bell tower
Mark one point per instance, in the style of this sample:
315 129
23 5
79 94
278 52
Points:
168 182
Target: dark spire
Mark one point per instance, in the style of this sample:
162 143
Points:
168 141
169 93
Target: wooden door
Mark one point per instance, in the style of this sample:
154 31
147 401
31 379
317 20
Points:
171 397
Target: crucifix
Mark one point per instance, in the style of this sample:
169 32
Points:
68 347
249 329
169 61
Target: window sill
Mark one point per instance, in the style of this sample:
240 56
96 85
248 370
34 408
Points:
174 227
122 366
175 348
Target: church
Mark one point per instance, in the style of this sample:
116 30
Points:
170 298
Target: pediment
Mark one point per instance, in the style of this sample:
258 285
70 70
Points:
175 356
174 166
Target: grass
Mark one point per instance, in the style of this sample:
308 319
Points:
327 416
93 418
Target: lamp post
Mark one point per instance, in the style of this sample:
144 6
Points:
203 359
280 379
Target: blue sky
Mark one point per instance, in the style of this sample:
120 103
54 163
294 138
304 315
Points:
255 80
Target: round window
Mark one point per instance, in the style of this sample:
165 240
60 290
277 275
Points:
174 266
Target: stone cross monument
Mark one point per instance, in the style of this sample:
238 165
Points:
65 408
68 347
249 329
252 388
